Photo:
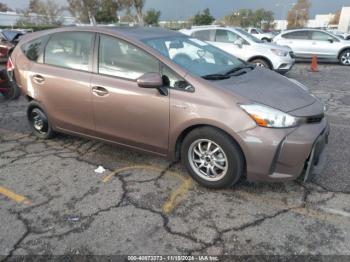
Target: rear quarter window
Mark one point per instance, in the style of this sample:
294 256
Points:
32 49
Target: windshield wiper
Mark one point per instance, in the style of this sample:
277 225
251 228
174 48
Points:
239 68
216 77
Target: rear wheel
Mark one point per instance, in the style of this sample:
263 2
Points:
261 63
212 158
39 121
344 58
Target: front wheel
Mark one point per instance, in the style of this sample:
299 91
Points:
261 63
344 58
212 158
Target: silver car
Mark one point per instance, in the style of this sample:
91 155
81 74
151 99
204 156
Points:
241 44
306 43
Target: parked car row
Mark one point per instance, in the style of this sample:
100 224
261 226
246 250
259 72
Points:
175 96
245 46
281 54
306 43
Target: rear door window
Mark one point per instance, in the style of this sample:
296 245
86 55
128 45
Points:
225 36
298 35
205 35
70 50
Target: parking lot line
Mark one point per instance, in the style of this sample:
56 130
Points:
12 195
175 197
120 170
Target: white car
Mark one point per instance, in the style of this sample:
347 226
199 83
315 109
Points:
243 45
258 33
307 43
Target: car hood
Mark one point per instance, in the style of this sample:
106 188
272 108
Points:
269 88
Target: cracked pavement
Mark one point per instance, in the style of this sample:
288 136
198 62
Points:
73 211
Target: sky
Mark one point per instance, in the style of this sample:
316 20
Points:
182 9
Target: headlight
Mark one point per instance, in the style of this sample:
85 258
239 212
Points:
269 117
279 52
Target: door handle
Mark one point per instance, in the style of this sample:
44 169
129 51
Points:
38 79
99 91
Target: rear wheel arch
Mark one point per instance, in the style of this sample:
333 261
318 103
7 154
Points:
45 130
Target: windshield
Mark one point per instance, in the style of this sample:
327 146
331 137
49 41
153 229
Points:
249 36
194 55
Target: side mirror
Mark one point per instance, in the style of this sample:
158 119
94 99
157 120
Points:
150 80
330 40
153 80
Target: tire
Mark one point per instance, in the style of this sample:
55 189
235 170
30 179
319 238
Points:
13 93
344 58
39 122
225 153
261 63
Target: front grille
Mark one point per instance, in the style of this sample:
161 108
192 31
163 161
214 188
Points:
314 119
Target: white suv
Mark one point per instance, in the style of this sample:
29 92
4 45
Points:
243 45
258 33
307 43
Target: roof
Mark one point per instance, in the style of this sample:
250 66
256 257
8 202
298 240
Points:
137 33
144 32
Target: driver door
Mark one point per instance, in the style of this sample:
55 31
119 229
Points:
324 45
124 112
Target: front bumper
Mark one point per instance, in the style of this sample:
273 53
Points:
283 64
285 154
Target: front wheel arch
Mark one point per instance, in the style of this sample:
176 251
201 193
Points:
340 55
262 58
189 129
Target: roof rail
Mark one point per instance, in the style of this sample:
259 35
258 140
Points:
203 26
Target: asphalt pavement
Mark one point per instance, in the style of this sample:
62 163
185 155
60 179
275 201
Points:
52 202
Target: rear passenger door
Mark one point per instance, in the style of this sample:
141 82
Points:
300 42
124 112
62 81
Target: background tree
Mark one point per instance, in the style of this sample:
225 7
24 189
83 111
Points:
298 16
246 17
4 7
48 12
202 18
138 5
108 12
83 10
336 18
263 18
152 17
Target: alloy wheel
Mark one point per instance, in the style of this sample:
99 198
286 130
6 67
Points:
208 160
345 58
39 121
